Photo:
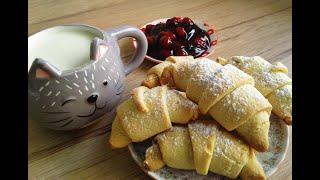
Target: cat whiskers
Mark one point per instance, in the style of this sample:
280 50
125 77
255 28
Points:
61 120
55 112
119 90
95 109
105 104
117 81
67 123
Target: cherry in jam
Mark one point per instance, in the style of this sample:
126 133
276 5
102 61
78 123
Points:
178 36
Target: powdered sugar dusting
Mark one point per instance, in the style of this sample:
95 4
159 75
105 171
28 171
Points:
225 145
176 129
223 142
184 103
284 95
225 78
242 100
205 70
186 68
204 130
220 81
153 97
266 79
127 118
152 122
285 91
249 63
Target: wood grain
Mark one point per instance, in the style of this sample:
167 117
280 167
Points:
244 28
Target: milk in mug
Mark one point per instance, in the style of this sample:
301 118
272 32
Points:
66 48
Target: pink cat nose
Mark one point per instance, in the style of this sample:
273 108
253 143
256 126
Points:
92 99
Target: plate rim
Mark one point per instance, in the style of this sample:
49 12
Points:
286 148
139 163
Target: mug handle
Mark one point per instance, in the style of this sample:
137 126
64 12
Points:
142 45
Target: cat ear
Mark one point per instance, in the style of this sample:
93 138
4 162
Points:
42 69
98 49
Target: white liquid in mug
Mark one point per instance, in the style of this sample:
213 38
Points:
66 47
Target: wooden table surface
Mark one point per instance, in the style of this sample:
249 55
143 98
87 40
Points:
244 28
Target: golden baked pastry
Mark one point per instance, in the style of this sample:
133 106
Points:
153 159
271 80
225 92
252 170
175 147
118 137
221 152
148 112
202 140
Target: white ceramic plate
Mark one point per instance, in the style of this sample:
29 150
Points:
270 160
202 25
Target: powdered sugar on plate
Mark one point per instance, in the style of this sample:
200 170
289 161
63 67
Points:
278 139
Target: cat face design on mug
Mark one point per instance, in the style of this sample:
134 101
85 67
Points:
75 98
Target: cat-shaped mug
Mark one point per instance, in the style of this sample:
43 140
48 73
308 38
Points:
73 98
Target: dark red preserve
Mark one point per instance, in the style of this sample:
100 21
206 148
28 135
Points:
178 37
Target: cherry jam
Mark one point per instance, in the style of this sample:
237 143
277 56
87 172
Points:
178 37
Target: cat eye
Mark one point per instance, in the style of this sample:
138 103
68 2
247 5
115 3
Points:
105 82
66 101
